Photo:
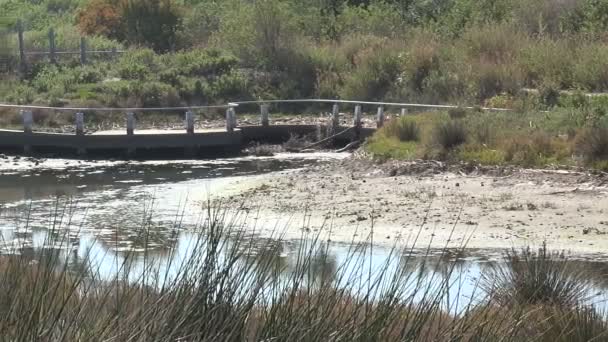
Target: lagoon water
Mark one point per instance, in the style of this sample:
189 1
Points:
96 210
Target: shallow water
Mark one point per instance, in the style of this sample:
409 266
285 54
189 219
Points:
97 210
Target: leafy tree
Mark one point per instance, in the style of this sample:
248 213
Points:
101 17
153 23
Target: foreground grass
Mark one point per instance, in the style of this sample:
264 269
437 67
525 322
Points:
230 289
565 137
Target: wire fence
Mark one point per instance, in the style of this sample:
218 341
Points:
21 48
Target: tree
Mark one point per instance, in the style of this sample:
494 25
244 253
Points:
153 23
101 17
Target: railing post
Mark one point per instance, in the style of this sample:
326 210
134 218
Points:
403 111
335 117
230 119
357 121
83 50
28 120
233 116
130 123
264 115
52 50
380 117
79 123
22 58
80 132
189 122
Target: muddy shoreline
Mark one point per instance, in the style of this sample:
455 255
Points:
433 204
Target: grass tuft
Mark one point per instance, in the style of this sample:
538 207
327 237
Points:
536 278
450 134
403 129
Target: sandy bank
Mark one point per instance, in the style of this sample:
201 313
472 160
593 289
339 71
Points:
436 205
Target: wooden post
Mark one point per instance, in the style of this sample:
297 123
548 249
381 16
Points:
22 59
80 132
403 111
130 123
357 120
28 120
79 123
83 50
264 115
189 122
229 119
52 48
114 53
335 118
130 132
380 117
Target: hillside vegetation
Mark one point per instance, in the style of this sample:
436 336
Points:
192 52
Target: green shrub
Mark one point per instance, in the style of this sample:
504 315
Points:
137 64
450 134
375 73
591 67
403 129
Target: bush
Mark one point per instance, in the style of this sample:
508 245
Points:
592 143
403 129
450 134
375 72
137 64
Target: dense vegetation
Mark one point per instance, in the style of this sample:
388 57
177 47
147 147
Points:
205 51
575 135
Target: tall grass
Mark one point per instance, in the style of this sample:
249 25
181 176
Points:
235 288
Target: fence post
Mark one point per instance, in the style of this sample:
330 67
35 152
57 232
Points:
335 117
403 111
264 114
189 122
114 53
52 48
380 117
130 123
83 50
22 60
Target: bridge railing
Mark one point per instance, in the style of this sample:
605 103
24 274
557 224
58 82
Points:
231 115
